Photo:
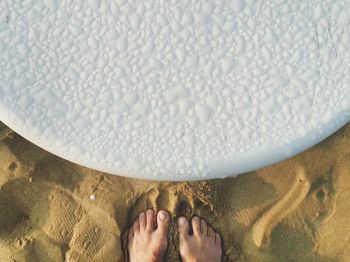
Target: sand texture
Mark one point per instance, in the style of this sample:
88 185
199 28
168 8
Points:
54 210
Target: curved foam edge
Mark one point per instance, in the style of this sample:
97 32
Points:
273 154
258 159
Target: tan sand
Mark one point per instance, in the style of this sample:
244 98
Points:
296 210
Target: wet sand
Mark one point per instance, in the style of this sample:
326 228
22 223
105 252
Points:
54 210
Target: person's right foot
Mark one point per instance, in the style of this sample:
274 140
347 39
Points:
204 245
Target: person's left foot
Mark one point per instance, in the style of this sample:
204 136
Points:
146 241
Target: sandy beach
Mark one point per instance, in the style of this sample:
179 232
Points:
54 210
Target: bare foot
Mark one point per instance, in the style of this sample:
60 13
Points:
146 242
203 245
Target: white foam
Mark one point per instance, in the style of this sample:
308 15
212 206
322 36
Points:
174 90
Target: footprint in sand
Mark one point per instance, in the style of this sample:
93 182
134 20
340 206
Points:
52 222
320 206
171 198
158 198
21 204
315 203
262 228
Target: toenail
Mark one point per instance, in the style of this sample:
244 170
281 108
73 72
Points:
182 221
163 215
149 211
142 215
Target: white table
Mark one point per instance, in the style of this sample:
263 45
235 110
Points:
175 90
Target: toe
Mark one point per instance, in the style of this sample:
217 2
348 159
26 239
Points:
136 226
163 222
204 227
196 225
183 227
211 233
218 239
142 220
149 220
